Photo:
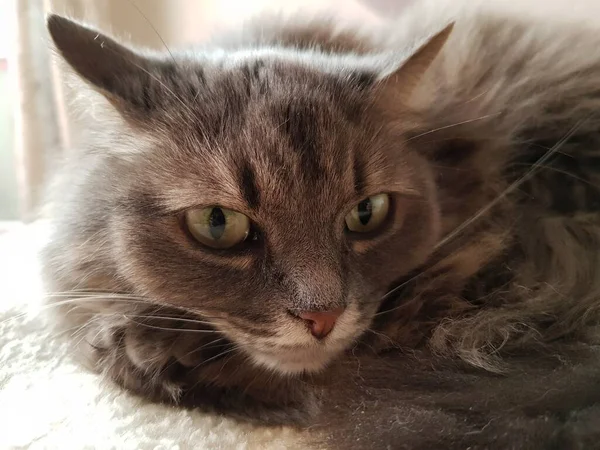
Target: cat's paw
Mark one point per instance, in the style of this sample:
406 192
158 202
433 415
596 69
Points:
191 365
146 358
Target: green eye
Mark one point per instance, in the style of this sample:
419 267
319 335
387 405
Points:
217 227
368 214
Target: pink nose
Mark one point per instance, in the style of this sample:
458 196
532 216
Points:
320 323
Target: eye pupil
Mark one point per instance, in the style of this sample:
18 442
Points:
365 211
217 222
369 214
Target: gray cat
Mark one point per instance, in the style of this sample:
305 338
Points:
388 239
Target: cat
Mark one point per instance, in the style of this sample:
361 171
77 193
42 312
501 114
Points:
388 238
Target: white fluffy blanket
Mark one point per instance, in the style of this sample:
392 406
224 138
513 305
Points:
47 401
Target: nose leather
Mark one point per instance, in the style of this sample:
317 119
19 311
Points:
320 323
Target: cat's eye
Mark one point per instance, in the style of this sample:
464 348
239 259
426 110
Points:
217 227
369 214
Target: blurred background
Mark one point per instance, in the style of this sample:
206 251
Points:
35 125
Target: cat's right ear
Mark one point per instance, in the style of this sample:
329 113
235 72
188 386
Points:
404 79
114 70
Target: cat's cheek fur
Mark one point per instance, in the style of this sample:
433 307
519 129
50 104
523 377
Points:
172 273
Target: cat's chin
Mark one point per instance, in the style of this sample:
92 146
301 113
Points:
293 361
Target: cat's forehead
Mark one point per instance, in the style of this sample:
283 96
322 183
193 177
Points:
281 108
272 132
266 133
255 78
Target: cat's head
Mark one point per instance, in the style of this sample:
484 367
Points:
270 190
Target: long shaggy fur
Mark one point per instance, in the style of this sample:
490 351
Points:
472 323
527 90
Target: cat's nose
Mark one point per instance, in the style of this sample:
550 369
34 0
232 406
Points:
320 323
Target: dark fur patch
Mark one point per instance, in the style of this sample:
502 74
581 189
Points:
248 79
301 128
248 186
256 68
252 76
455 151
146 102
360 175
143 204
362 80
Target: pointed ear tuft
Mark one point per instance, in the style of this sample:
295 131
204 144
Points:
117 72
405 79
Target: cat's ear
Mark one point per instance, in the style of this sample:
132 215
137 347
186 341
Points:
405 78
117 72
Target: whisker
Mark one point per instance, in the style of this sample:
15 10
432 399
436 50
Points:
83 326
564 172
378 333
141 316
175 318
139 10
60 333
206 361
452 126
78 301
83 338
400 286
185 330
540 162
106 295
207 345
535 144
481 94
99 298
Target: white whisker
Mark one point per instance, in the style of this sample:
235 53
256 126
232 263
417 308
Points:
139 10
184 330
174 318
540 162
90 299
225 352
452 126
459 229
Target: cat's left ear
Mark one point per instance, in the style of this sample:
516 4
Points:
404 79
121 74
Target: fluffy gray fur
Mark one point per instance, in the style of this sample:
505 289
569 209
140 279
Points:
471 320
